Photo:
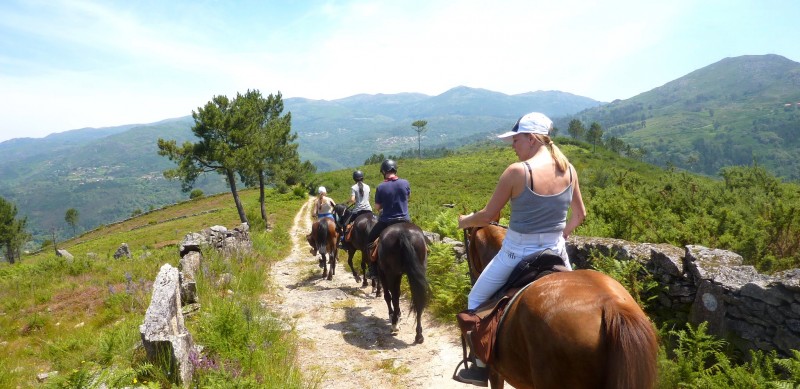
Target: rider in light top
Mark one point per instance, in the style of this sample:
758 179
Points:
359 196
323 206
542 187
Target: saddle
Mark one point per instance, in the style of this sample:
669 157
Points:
479 327
348 231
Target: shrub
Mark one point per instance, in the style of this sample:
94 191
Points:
195 194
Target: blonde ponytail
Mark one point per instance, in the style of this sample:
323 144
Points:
562 163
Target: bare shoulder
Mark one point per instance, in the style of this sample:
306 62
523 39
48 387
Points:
515 168
513 172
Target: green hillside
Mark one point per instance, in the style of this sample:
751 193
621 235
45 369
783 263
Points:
734 112
749 211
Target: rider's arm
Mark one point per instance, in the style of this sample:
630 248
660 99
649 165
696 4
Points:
314 209
576 206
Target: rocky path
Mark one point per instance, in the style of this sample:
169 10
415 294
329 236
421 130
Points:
346 339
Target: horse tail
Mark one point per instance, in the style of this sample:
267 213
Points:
322 236
632 347
417 280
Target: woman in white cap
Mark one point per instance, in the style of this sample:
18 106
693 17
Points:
323 206
541 187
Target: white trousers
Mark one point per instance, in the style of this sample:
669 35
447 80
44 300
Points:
515 247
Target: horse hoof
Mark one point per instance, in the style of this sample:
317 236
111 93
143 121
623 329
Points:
419 339
330 277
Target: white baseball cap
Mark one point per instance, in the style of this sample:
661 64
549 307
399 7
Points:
532 123
322 190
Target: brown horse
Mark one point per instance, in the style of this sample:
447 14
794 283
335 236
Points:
482 245
322 239
577 329
358 242
402 249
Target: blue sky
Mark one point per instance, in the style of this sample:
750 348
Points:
75 64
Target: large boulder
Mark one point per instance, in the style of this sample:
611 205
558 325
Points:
164 335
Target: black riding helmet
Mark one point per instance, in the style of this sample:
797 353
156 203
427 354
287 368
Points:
388 166
358 175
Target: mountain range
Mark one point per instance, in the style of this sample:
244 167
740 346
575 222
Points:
108 174
736 111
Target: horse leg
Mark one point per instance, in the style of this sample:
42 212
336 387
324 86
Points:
332 262
419 338
495 380
364 260
387 296
376 286
324 266
350 255
391 293
396 304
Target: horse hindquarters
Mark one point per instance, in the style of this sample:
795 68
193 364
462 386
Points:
577 329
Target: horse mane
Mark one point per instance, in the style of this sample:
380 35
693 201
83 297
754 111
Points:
633 348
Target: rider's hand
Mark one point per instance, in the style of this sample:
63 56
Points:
461 224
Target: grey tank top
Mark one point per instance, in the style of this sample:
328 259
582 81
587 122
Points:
532 213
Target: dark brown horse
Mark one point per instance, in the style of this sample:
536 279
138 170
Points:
577 329
322 239
402 250
358 242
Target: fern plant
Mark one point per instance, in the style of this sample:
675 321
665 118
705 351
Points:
631 274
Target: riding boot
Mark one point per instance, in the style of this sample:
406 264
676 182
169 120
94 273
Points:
372 252
371 272
477 373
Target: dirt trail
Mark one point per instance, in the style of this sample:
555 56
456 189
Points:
346 338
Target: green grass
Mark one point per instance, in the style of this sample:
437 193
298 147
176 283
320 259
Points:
81 317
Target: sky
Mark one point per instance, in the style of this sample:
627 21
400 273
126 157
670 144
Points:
69 64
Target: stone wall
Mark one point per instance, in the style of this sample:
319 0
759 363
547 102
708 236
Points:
752 310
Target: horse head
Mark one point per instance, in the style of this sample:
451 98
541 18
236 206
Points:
482 243
342 212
